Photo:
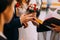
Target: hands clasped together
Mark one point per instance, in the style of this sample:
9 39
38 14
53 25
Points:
24 18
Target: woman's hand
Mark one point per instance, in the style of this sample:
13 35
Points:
25 25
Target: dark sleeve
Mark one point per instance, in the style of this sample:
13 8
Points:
48 22
15 23
42 28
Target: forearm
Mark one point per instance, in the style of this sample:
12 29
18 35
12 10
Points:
15 23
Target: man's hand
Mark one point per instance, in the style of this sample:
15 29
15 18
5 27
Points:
25 18
56 28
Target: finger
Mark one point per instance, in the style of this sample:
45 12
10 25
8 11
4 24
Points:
54 25
56 29
35 22
25 25
29 18
29 15
22 15
53 28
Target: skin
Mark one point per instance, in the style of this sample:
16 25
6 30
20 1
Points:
33 14
56 28
6 15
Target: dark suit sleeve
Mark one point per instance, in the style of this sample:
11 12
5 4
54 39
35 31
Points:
15 23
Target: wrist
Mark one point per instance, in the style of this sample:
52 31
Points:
21 20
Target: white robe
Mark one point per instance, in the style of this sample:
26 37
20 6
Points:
49 35
28 33
43 35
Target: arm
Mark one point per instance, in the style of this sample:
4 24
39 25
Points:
15 23
56 28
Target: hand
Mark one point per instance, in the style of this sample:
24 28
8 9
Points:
34 21
25 18
56 28
25 25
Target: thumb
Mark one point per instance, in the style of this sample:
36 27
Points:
54 25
